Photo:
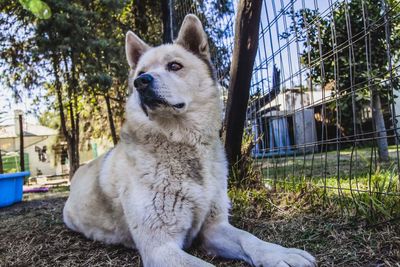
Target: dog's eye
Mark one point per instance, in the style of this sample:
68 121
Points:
174 66
140 73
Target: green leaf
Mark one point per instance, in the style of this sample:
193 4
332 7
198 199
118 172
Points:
38 8
25 4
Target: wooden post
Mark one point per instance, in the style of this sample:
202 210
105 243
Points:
166 10
244 53
21 144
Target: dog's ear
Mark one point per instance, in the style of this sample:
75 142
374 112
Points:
134 48
192 37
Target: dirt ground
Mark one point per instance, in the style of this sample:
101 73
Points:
32 234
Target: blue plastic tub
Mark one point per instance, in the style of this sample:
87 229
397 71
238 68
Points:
11 187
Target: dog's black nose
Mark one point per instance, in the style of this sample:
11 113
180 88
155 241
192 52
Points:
143 81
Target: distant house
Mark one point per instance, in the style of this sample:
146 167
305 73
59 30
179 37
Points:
45 150
38 141
286 122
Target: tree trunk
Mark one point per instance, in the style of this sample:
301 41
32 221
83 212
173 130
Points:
57 87
68 137
245 49
73 133
141 19
71 140
167 20
110 120
76 129
73 145
380 128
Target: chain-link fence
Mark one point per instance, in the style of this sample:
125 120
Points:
323 100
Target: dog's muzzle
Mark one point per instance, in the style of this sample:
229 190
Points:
148 97
144 84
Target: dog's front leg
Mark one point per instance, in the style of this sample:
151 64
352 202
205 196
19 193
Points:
158 251
158 242
224 240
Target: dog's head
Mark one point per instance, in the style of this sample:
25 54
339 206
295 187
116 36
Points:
173 82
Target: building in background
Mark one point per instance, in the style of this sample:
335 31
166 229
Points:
46 153
287 122
38 141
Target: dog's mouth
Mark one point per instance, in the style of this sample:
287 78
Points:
151 101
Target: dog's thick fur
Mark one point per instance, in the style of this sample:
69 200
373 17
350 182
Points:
165 183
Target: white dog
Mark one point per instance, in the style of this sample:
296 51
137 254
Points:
165 183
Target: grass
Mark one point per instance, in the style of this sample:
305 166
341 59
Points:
359 162
33 234
294 219
353 180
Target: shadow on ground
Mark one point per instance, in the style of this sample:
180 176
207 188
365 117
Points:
33 234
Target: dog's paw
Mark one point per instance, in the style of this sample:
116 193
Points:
286 257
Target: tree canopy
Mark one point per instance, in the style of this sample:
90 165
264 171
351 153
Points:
69 56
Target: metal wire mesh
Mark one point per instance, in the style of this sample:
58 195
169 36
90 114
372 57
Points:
323 99
323 105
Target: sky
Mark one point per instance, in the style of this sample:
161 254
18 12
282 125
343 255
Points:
285 51
7 101
8 105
